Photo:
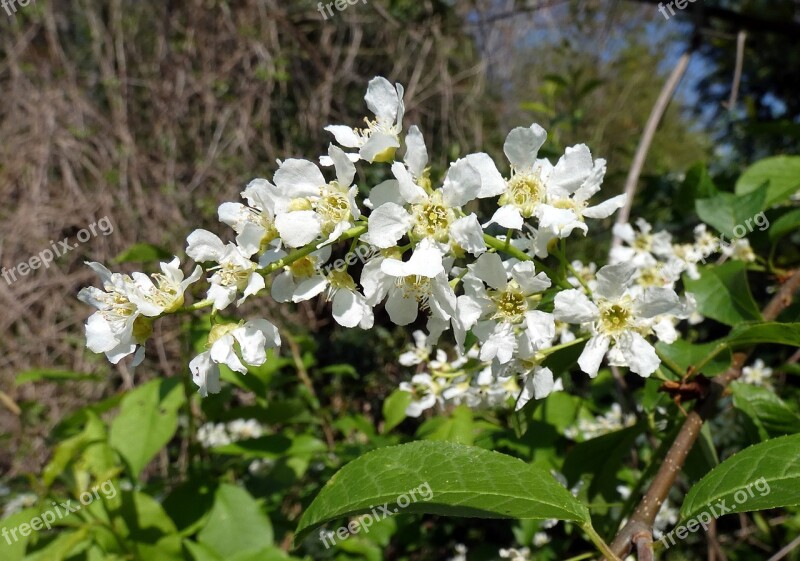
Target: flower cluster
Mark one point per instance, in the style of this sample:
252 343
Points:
502 289
211 435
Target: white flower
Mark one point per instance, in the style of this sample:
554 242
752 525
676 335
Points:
642 246
349 306
419 353
380 139
235 271
303 279
119 326
425 392
309 206
617 316
254 223
407 286
252 338
758 374
165 295
432 215
509 302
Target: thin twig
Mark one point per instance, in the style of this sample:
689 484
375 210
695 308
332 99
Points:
737 73
785 551
656 114
645 513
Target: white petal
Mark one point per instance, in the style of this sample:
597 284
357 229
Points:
347 310
467 233
402 311
382 98
385 192
377 144
299 178
492 182
639 354
612 280
298 228
387 224
345 170
345 136
507 216
656 301
204 246
501 345
205 374
222 296
522 144
222 352
593 354
489 268
606 208
416 157
283 287
461 184
571 170
426 261
309 288
573 306
254 284
524 273
410 191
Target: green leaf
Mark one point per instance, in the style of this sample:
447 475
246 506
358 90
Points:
725 211
771 415
759 477
61 547
780 176
697 185
764 332
462 481
15 550
459 427
686 354
40 374
703 456
394 409
723 293
93 432
236 524
142 253
147 420
786 224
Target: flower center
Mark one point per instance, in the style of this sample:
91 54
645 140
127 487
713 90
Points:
333 207
432 219
416 287
303 267
525 191
511 303
615 317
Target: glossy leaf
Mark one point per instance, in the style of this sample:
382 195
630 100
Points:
463 481
760 477
147 420
771 415
780 176
723 293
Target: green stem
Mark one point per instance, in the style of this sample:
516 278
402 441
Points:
550 350
671 364
710 356
599 543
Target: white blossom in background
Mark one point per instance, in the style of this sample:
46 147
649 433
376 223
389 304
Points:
616 319
19 503
611 421
758 374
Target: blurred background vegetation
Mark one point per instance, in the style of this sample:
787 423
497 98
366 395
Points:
153 113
